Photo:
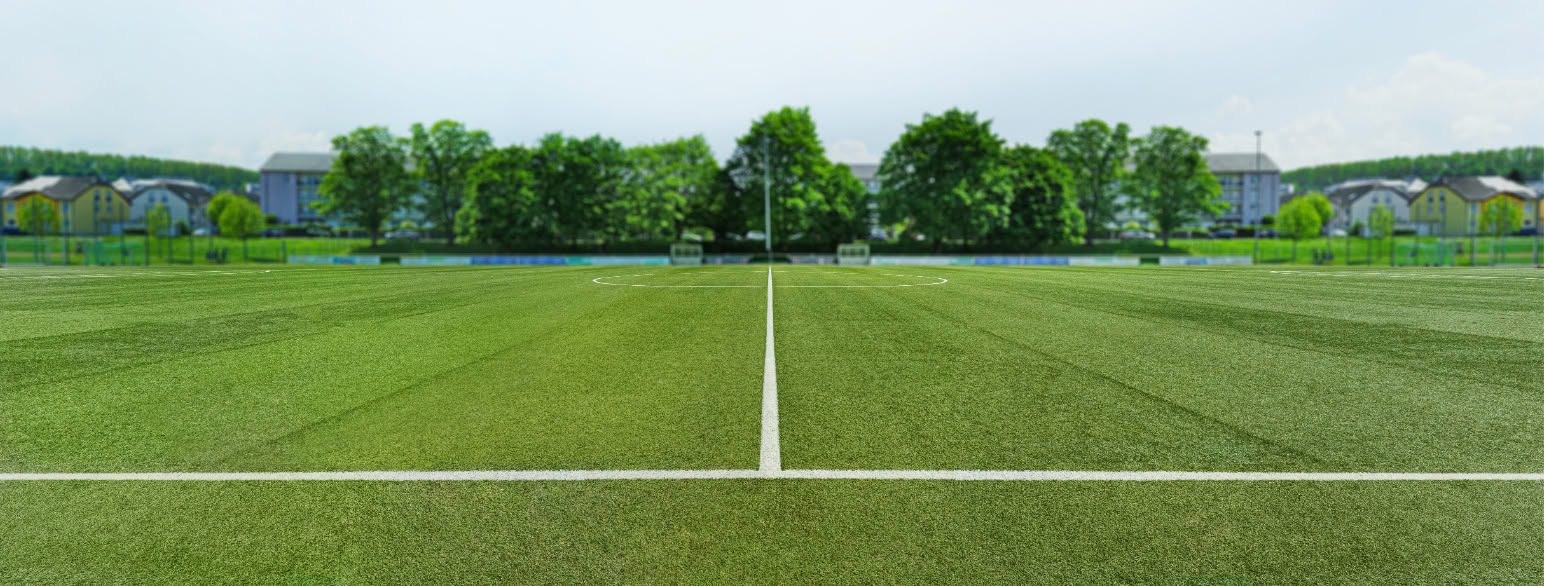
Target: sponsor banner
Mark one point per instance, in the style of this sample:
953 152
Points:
727 260
1105 261
519 260
1204 260
1003 260
1022 260
617 260
887 260
333 260
437 260
812 259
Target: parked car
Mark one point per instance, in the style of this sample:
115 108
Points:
1136 235
1337 232
201 232
401 235
1224 233
1267 233
10 231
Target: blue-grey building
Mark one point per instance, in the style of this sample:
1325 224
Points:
287 184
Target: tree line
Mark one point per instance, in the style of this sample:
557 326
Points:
1521 164
20 163
948 178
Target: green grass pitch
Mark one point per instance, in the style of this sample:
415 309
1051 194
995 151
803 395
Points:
256 369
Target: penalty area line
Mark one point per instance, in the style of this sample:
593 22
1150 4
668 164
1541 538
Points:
747 474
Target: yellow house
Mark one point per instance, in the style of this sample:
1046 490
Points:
84 205
1453 206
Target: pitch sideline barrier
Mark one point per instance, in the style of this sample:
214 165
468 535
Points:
1076 261
332 260
1204 260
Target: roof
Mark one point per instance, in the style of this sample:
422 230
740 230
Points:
864 171
1481 188
1350 191
190 191
298 163
54 187
1240 163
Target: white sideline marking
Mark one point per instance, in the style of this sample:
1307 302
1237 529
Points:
771 444
738 474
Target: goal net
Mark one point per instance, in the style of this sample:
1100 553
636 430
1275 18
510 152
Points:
852 254
686 255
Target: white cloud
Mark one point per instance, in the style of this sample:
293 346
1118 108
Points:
1432 104
1234 107
850 150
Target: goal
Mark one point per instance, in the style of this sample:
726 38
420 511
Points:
686 255
852 254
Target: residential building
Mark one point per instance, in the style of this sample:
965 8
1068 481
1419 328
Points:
184 200
1251 185
287 184
84 205
1354 201
868 173
1453 206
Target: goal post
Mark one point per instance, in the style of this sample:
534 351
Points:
686 255
852 254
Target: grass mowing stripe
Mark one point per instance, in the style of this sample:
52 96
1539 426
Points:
776 474
771 446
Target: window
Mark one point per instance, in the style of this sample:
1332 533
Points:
10 208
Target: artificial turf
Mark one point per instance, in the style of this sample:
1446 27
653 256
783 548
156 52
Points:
542 368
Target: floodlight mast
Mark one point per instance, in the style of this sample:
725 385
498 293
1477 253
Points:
766 191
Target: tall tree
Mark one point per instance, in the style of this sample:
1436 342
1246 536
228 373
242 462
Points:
843 211
938 176
806 194
368 180
664 183
1172 183
242 219
443 154
1096 155
1298 220
578 180
37 216
1500 218
1380 225
157 222
1039 192
1321 207
501 205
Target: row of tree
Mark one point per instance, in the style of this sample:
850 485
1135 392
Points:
20 163
1521 164
947 178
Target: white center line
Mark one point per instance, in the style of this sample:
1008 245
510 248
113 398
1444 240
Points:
771 446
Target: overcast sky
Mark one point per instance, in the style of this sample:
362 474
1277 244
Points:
232 82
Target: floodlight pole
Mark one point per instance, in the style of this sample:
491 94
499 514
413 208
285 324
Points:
766 191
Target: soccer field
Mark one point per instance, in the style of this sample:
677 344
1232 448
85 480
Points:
632 424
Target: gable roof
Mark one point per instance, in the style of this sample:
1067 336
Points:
298 163
55 187
190 191
1349 191
1483 187
1239 163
